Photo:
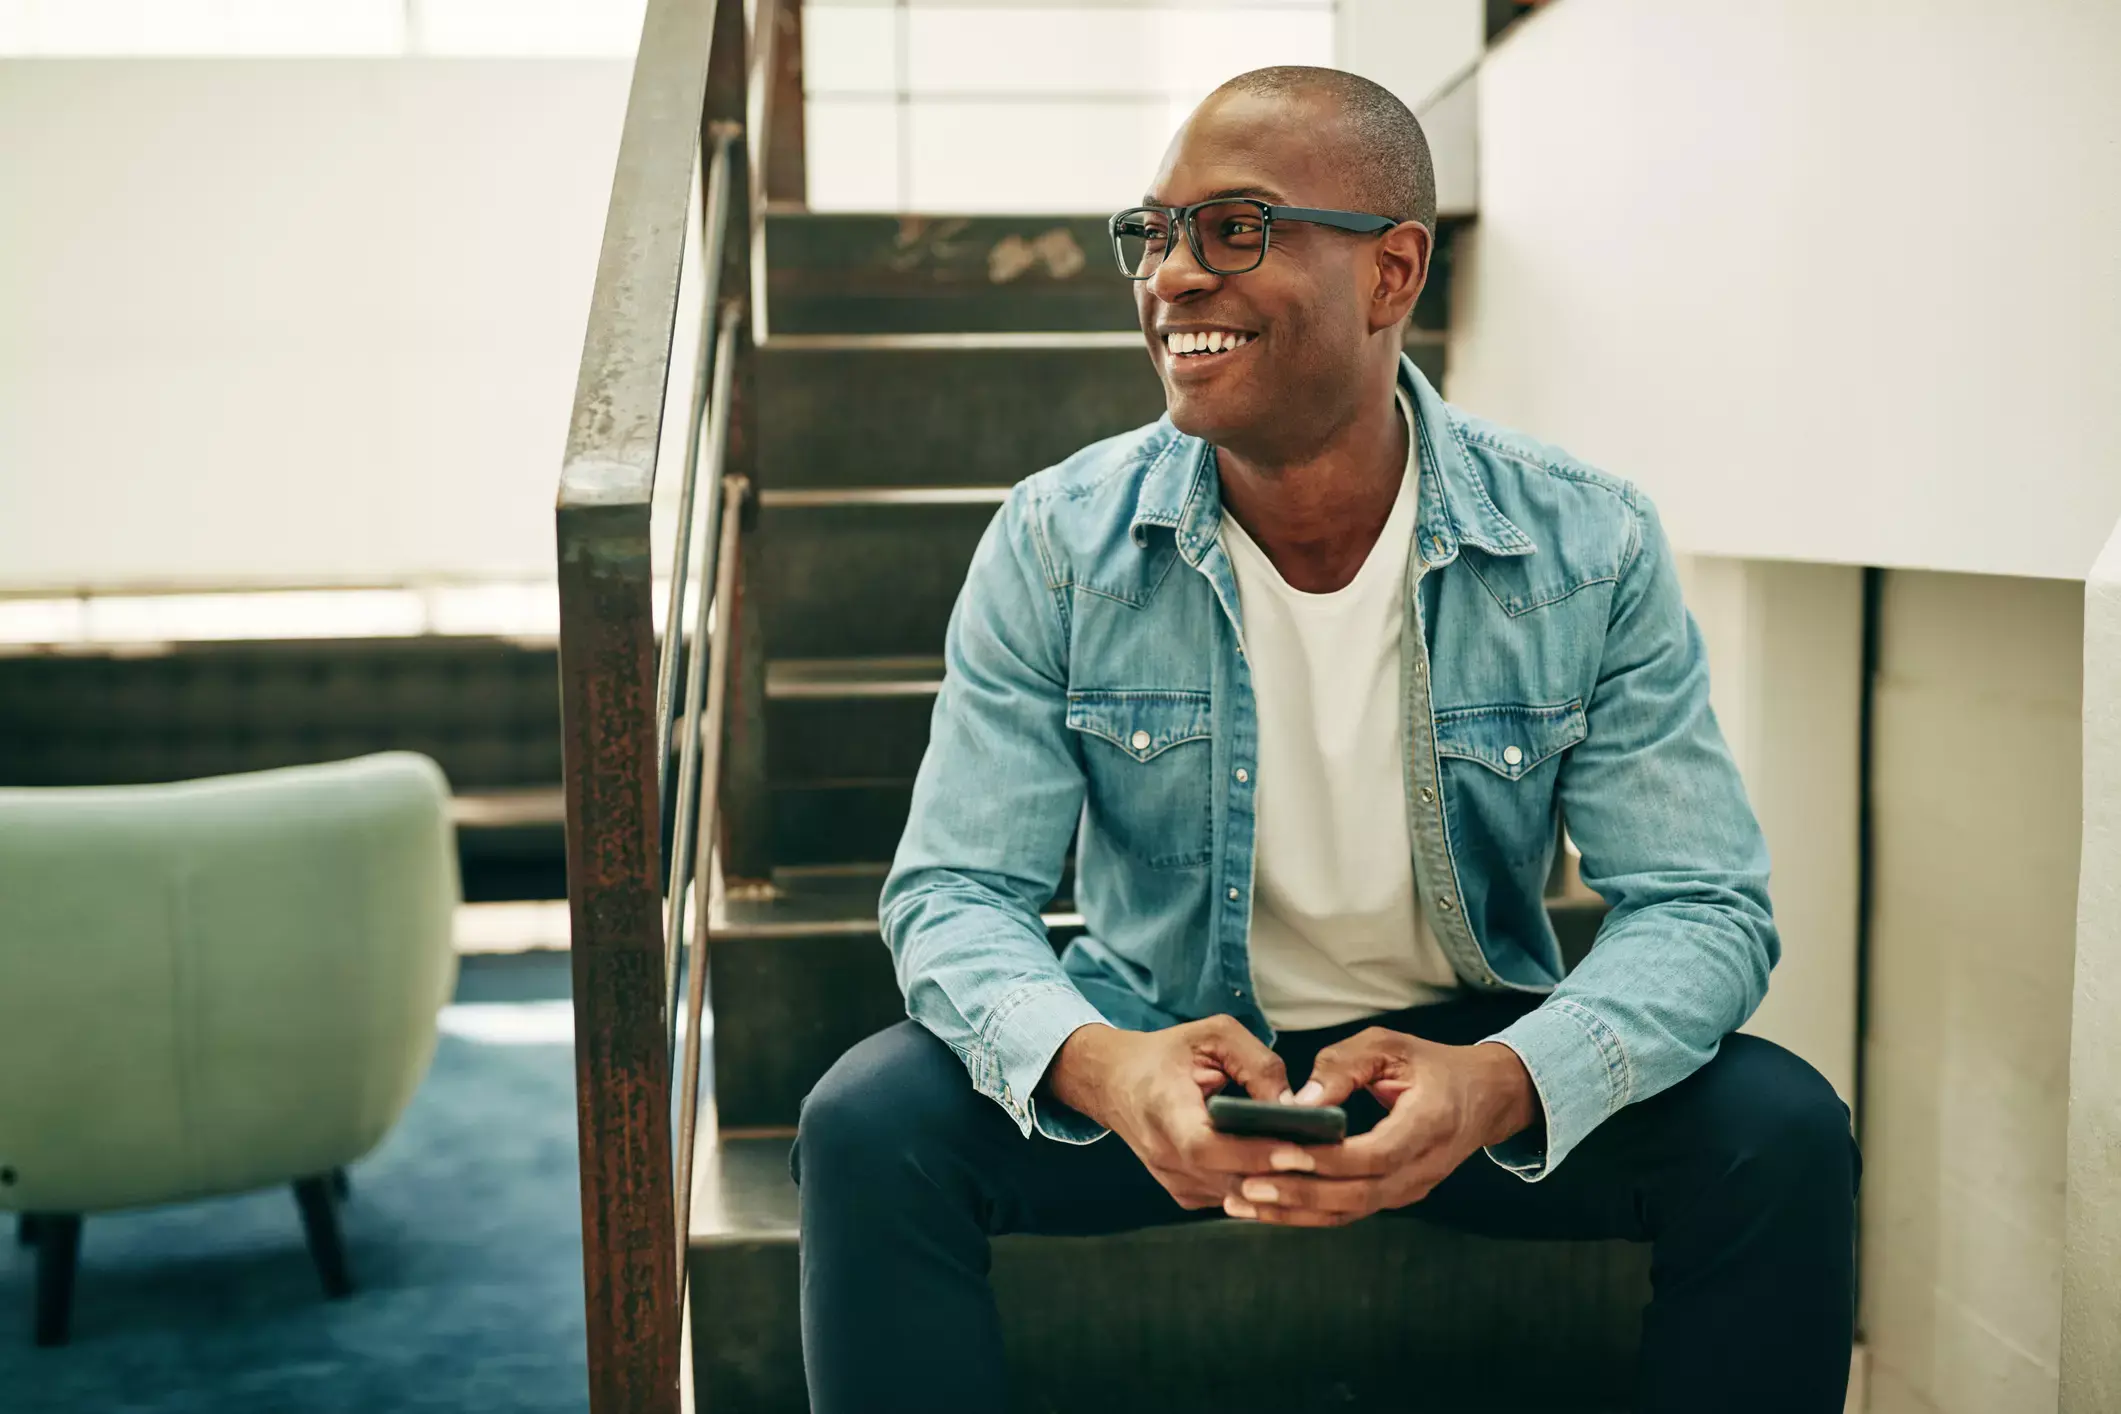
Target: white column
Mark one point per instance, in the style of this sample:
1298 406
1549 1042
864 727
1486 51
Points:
2091 1263
1785 645
1421 49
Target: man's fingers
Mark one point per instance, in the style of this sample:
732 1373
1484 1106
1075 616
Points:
1212 1152
1244 1058
1350 1197
1286 1217
1402 1139
1340 1070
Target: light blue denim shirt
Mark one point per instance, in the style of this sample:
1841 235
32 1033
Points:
1095 675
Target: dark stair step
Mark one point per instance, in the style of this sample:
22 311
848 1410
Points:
844 738
848 719
956 409
1208 1316
798 979
944 410
839 822
864 273
890 274
511 844
849 575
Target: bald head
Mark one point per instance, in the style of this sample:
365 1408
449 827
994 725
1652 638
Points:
1376 149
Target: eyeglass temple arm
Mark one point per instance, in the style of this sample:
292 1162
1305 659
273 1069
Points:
1340 220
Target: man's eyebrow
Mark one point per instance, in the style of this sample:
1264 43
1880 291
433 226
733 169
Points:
1266 194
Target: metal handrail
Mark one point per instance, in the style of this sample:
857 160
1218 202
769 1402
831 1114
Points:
710 777
696 732
679 866
697 67
714 226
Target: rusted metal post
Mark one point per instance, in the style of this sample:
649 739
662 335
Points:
787 175
609 732
622 1064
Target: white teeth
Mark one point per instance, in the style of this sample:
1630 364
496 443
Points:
1205 341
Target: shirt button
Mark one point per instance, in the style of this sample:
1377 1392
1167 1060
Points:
1428 797
1241 776
1141 741
1233 895
1445 903
1512 755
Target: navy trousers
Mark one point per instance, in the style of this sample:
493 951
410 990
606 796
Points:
1743 1177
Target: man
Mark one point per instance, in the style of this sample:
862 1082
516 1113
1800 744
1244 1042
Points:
1319 663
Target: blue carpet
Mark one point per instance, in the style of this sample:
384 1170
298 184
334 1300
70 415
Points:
463 1232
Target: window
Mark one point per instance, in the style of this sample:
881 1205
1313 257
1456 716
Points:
943 105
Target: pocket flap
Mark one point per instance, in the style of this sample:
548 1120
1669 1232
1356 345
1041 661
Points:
1141 723
1509 739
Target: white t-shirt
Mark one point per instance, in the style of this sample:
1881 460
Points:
1337 932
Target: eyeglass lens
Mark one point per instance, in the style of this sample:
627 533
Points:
1233 237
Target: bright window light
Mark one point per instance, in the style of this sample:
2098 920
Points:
40 621
512 927
527 27
196 27
81 28
318 613
495 610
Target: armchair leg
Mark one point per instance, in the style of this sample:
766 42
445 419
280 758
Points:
58 1252
320 1223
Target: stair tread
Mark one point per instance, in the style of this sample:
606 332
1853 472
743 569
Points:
502 809
1168 1304
854 677
742 1190
809 902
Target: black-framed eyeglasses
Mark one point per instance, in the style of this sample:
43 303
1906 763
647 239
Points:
1228 235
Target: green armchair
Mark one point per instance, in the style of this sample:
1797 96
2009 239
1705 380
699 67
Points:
211 987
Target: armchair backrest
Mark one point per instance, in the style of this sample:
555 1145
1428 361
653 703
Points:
216 985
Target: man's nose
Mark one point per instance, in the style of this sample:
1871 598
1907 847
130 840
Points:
1179 273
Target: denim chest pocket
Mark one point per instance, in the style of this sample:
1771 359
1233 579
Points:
1150 763
1502 796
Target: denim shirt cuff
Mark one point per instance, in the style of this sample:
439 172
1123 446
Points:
1022 1042
1581 1074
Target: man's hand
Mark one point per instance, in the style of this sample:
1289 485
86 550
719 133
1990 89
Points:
1151 1088
1445 1102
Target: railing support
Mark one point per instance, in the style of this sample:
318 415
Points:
694 88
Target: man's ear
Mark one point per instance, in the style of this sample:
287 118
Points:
1402 269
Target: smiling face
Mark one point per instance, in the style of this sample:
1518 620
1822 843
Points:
1271 362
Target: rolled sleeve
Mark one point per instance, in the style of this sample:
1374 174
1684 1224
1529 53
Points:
1581 1073
1026 1037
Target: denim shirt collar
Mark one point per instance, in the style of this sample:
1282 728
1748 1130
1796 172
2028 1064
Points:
1182 493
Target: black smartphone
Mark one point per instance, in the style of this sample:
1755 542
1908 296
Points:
1299 1124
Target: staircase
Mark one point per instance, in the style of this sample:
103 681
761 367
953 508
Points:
917 367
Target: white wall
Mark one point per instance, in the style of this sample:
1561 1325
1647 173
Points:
1424 51
1977 811
1022 105
1785 645
1834 282
292 321
2091 1285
